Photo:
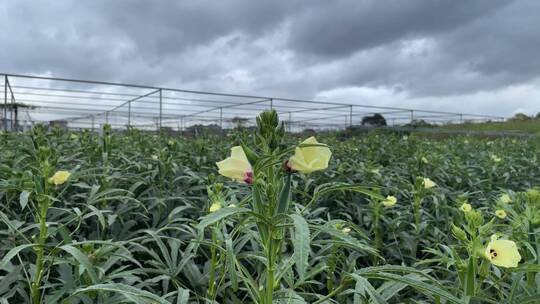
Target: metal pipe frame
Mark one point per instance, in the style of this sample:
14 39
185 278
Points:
166 106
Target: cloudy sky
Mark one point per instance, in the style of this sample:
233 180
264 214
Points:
455 55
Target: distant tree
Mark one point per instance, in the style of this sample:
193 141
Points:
419 123
239 122
309 132
520 117
537 115
375 120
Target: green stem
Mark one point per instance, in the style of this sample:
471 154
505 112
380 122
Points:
377 231
212 275
417 202
470 277
331 268
270 268
40 253
330 295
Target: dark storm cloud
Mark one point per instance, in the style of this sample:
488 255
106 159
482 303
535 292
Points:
435 48
338 28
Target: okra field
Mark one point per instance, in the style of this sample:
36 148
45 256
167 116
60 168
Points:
265 216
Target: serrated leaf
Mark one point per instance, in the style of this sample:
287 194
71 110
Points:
133 294
301 243
219 215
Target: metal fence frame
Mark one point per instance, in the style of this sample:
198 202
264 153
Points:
85 103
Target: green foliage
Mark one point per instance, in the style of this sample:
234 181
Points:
132 224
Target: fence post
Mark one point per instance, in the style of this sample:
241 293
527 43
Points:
160 109
5 102
92 123
289 123
12 111
271 103
221 117
412 116
350 115
129 114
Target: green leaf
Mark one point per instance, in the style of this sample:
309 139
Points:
527 268
183 296
231 262
284 198
219 215
363 287
133 294
82 259
301 243
421 286
23 199
13 252
250 154
342 239
99 215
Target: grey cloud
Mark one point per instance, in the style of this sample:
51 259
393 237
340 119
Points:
433 48
340 28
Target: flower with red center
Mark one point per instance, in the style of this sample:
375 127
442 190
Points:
237 166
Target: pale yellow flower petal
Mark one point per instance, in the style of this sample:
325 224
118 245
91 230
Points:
215 207
500 213
310 159
503 253
428 183
466 207
237 166
389 201
59 177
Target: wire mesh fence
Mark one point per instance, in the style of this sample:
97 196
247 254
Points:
82 104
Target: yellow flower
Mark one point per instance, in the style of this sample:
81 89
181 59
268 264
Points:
237 166
424 160
428 183
311 158
500 213
59 177
503 253
389 201
215 207
505 199
495 158
465 207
